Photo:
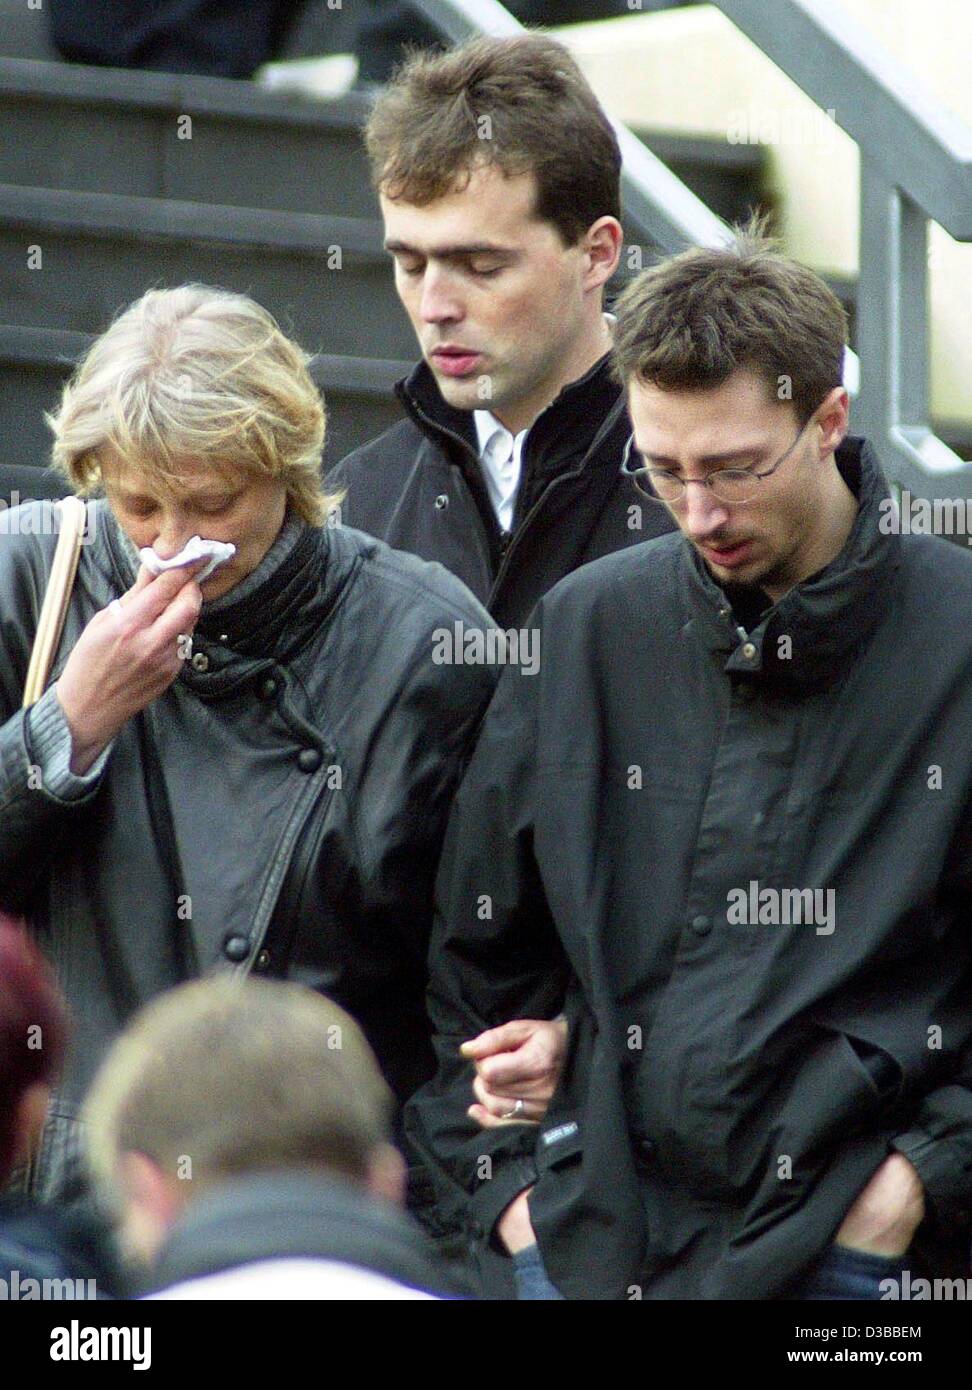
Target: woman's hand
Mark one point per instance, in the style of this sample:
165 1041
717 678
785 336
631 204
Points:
127 656
519 1061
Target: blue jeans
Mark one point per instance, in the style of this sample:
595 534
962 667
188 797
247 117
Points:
846 1274
531 1279
839 1274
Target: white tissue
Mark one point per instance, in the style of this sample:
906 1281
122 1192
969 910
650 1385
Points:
217 552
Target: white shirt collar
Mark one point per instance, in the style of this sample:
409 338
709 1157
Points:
500 463
486 426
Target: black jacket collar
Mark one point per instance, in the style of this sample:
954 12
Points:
561 435
828 617
294 1215
272 623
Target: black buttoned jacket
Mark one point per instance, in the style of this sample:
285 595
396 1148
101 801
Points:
733 1082
280 808
419 486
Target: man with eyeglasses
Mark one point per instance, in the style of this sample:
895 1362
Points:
728 828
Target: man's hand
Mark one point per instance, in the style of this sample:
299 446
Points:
519 1061
127 656
514 1228
888 1211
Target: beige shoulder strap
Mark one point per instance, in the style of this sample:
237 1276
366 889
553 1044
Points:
50 624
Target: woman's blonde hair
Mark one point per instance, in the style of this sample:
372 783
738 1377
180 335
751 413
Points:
201 374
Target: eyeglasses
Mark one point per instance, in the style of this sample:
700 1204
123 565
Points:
729 485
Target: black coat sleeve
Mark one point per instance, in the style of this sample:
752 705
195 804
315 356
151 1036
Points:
419 753
939 1140
495 956
32 819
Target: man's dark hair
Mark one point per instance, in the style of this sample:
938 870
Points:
33 1029
521 104
689 322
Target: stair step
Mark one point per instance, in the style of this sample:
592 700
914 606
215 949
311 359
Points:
64 126
103 130
23 30
325 278
730 179
34 363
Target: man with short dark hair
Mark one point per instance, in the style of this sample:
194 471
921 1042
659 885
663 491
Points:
499 180
730 823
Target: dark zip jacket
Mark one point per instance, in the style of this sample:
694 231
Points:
53 1246
419 486
280 808
733 1081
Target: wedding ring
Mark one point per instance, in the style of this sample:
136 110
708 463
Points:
518 1109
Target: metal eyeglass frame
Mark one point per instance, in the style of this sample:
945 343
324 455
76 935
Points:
633 474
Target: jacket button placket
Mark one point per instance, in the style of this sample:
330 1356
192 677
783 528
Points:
753 754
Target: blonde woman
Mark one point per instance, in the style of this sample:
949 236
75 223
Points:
248 771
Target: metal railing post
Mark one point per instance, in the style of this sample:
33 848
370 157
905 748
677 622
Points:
892 330
893 342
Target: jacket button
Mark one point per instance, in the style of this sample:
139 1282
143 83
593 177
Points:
748 651
200 662
308 760
646 1149
236 948
441 501
262 960
267 689
701 925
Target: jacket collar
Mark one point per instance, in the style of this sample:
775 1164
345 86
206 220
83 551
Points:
828 617
292 1215
272 621
561 434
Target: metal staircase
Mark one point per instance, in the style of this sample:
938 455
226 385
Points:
916 165
112 181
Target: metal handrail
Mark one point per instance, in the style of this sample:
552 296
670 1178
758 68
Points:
917 143
916 165
916 161
660 208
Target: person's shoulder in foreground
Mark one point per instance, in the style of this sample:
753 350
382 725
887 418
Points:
648 567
